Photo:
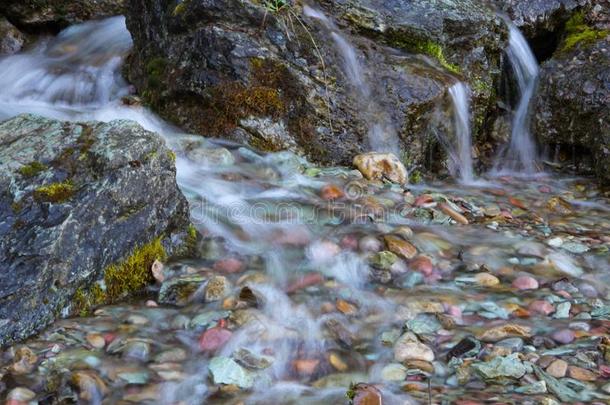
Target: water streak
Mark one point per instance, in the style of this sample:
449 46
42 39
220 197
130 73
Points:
521 154
461 157
382 135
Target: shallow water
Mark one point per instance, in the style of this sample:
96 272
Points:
309 303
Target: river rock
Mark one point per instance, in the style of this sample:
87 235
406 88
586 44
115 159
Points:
250 79
11 39
378 166
81 202
408 347
558 368
225 370
507 366
41 16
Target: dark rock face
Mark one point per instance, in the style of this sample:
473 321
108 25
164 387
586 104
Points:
11 39
36 15
275 79
541 21
572 109
85 208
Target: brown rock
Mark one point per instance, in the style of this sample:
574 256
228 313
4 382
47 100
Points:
557 368
400 247
504 331
456 216
581 374
366 394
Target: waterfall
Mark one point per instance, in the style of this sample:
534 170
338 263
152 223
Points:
461 158
521 153
382 135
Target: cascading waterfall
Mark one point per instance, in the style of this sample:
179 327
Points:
520 156
381 133
461 157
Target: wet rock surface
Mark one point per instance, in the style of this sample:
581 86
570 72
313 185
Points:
11 39
263 75
571 109
40 16
80 203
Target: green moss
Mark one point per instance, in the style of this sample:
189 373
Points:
55 192
415 177
172 156
84 301
155 68
426 47
578 32
133 274
32 169
180 8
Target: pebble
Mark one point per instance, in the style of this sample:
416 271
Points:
400 247
501 332
96 340
214 338
558 368
394 372
408 347
581 374
331 192
486 279
563 336
228 265
217 288
422 264
525 283
157 271
21 394
542 307
456 216
563 310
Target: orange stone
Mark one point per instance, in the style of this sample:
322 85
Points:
447 210
346 307
331 192
305 366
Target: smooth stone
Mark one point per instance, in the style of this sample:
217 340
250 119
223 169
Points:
514 344
538 387
171 355
96 340
581 374
394 372
214 338
563 336
500 332
525 283
541 307
563 310
400 247
557 368
502 366
408 347
366 394
370 244
456 216
225 370
331 192
486 279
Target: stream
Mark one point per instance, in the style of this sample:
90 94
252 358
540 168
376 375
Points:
302 296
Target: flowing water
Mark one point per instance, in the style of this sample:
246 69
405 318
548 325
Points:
311 305
382 135
461 157
521 155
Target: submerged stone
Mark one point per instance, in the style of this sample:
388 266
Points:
225 370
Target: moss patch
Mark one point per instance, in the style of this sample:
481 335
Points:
32 169
578 32
426 47
84 301
133 274
55 192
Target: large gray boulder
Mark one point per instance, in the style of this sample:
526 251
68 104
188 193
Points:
85 208
572 111
275 79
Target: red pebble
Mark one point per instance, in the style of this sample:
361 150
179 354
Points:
423 200
542 307
214 338
229 265
422 264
